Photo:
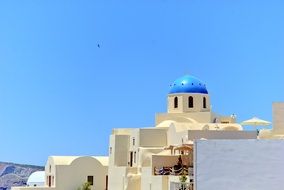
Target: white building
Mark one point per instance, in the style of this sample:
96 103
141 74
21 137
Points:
71 172
155 158
36 179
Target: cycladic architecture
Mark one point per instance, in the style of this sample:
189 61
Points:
190 147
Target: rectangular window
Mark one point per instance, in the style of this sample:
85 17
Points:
106 182
91 180
225 122
131 159
133 141
49 181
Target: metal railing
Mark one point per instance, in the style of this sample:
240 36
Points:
181 186
173 171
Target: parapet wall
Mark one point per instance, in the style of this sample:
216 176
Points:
278 117
239 164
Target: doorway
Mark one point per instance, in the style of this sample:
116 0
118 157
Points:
131 159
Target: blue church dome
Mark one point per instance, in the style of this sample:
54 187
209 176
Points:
188 84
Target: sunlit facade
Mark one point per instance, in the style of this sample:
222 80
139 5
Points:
164 157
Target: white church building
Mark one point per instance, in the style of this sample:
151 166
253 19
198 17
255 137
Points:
189 148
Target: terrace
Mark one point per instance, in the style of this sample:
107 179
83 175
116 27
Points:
180 162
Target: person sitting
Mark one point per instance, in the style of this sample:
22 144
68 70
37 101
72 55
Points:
178 166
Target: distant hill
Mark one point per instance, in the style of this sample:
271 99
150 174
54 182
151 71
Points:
12 174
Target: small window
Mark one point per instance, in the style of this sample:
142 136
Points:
49 181
49 168
110 150
176 102
190 102
106 182
225 122
131 159
133 141
204 102
134 157
90 180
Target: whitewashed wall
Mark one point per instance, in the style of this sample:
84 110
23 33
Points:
239 164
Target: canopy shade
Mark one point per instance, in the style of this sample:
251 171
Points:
170 147
256 122
184 147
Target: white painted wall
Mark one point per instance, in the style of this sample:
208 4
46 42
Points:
116 178
159 182
120 150
153 137
277 132
75 174
183 102
146 176
189 117
145 156
198 134
239 164
278 117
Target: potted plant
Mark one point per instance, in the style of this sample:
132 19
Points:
182 180
85 186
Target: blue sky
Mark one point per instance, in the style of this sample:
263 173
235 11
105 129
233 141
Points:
60 94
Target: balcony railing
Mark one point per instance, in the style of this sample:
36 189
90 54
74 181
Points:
174 171
181 186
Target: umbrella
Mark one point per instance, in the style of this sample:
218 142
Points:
184 148
256 122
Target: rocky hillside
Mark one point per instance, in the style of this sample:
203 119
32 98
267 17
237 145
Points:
15 174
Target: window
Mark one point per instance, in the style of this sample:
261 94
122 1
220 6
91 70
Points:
49 168
134 157
133 141
106 182
204 102
176 102
225 122
131 159
90 180
110 150
190 102
49 181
